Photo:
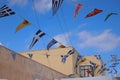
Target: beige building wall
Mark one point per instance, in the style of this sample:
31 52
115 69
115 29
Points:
23 68
54 60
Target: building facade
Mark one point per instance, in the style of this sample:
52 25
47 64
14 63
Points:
52 58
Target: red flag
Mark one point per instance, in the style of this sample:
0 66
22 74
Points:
78 7
89 72
96 11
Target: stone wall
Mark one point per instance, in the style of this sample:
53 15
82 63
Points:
23 68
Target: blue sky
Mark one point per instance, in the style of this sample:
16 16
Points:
89 36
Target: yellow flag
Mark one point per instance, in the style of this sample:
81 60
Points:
111 60
23 24
81 61
61 46
96 66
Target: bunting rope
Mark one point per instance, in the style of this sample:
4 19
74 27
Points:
65 23
49 64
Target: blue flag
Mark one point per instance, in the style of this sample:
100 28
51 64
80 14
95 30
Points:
64 57
77 60
115 71
38 34
101 68
70 52
14 55
55 5
5 11
98 57
93 64
51 43
30 55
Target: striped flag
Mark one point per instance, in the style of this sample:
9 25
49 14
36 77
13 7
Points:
115 64
114 56
115 71
64 57
38 34
55 5
102 68
93 64
70 52
51 43
98 57
5 11
112 66
23 24
77 60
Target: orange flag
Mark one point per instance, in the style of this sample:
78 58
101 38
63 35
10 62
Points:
23 24
96 11
81 61
61 46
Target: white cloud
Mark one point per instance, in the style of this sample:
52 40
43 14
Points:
43 5
19 2
1 44
105 41
63 38
82 25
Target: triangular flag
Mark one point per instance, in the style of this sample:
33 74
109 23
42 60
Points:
96 67
77 60
94 12
38 34
81 61
115 71
93 64
30 55
55 5
47 55
64 57
98 57
77 9
61 46
51 43
101 68
104 69
5 11
14 55
70 52
110 14
23 24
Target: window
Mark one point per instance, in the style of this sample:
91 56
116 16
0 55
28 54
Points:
86 71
